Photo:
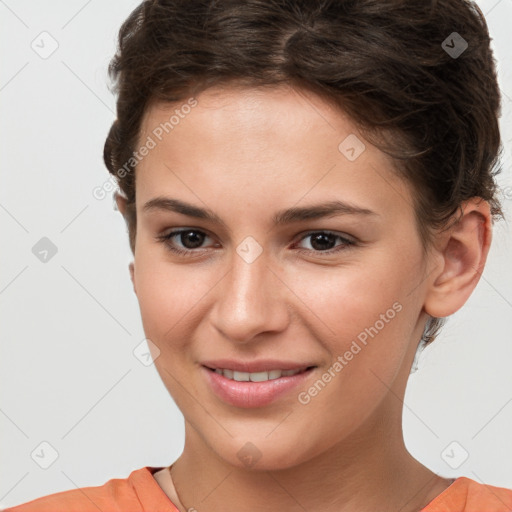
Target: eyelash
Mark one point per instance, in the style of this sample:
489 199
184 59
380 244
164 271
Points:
166 239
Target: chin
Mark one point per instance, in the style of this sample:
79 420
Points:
260 454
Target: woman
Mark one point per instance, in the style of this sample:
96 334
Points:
309 190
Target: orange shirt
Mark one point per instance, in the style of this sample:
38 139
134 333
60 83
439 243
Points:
141 493
466 495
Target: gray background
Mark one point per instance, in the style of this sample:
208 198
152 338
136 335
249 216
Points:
70 325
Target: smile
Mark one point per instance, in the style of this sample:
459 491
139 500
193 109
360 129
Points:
255 389
257 376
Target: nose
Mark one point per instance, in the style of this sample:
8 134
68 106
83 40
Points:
250 300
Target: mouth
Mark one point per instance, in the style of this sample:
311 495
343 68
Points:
262 376
255 389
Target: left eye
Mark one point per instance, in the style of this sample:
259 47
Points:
325 241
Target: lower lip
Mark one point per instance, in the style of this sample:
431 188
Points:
252 394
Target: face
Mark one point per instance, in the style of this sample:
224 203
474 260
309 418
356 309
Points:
300 246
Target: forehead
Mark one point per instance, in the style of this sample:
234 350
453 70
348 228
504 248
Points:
264 141
255 113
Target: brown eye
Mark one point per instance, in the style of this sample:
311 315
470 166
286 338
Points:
185 242
322 241
325 241
191 239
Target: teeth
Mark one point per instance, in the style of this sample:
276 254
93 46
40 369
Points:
256 376
241 376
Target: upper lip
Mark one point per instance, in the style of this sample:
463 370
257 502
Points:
263 365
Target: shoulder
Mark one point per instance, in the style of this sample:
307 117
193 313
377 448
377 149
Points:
132 494
488 495
467 495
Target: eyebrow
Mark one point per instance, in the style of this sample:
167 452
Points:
287 216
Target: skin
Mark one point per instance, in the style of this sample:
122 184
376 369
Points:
246 154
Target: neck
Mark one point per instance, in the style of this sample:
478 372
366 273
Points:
370 470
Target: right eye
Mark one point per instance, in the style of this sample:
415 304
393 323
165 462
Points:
184 241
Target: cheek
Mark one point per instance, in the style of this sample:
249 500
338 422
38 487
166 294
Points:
347 300
171 302
363 323
168 295
364 312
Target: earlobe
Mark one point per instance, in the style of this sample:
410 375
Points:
463 255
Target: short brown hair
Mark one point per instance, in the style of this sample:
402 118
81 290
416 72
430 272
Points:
386 63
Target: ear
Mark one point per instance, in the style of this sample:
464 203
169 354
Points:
131 267
121 201
462 252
